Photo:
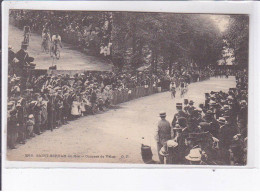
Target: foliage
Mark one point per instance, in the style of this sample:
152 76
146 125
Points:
237 36
174 38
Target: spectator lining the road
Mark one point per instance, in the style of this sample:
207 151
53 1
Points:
48 101
215 133
91 31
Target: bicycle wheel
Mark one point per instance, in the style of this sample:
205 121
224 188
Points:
58 54
51 52
46 47
42 47
27 39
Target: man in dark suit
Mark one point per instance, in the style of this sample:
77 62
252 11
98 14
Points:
23 64
180 114
11 54
22 55
163 134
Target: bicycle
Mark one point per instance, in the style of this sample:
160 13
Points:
182 92
26 38
45 46
55 52
173 92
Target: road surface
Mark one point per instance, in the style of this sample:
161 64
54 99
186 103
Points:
70 59
115 135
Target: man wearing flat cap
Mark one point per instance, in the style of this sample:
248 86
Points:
162 134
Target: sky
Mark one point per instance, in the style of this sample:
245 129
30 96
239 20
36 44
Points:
221 21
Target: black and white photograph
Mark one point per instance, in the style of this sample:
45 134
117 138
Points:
127 87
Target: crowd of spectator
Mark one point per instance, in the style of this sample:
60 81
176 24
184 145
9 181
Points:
44 102
214 133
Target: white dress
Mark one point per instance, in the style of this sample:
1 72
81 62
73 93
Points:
82 106
75 108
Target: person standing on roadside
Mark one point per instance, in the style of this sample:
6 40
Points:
163 134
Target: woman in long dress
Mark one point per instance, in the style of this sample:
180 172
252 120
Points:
75 109
82 106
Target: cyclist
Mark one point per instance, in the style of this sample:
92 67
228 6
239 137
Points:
56 39
45 39
45 29
182 88
26 33
173 89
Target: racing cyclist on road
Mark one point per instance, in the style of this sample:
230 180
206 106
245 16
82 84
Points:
56 39
45 39
26 33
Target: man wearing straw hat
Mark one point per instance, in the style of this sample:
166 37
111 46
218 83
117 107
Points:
195 156
163 134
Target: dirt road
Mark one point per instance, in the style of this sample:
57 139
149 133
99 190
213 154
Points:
116 135
70 59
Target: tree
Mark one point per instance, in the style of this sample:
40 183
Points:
118 38
237 36
170 38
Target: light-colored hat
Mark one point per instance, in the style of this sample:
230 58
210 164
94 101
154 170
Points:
162 114
11 103
177 127
222 120
212 102
30 116
194 155
18 104
163 152
172 144
209 112
215 139
34 102
198 109
243 102
226 107
236 137
213 96
230 98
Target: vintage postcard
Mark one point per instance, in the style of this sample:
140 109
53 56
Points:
127 87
